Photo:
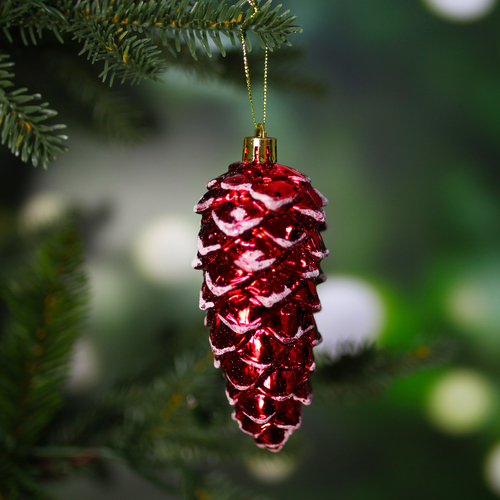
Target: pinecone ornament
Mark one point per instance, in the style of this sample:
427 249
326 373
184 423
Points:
260 247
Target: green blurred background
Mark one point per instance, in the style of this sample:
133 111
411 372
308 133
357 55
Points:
405 145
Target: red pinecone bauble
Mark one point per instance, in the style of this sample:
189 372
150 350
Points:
260 247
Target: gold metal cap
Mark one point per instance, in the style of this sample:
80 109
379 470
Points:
260 148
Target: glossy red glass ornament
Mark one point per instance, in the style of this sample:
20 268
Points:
260 248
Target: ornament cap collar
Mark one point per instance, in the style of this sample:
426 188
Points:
260 147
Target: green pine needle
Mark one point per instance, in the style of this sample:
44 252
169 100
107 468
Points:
125 37
125 56
124 33
21 122
32 17
108 31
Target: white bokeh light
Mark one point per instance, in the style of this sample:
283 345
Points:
468 305
460 402
272 469
41 210
461 10
492 469
472 304
164 249
352 312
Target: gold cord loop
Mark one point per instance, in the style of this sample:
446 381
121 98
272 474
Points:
260 131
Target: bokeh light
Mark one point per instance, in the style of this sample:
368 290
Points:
164 249
271 469
352 312
468 305
492 469
473 302
461 10
460 402
42 210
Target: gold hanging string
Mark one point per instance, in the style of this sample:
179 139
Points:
247 71
265 88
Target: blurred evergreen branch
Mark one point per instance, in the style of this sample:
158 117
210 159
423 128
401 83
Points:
169 429
126 37
363 371
115 115
168 425
47 306
173 419
229 68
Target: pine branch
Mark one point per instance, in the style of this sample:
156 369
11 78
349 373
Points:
181 416
171 418
174 19
47 307
158 428
106 29
125 57
33 16
123 33
113 113
365 371
22 126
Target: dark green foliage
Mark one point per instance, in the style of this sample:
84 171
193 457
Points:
21 121
174 418
106 28
47 306
126 38
113 114
19 481
171 423
130 58
33 16
366 371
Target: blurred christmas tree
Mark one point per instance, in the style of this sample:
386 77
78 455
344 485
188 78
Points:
168 421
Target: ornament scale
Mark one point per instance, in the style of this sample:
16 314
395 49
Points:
260 249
